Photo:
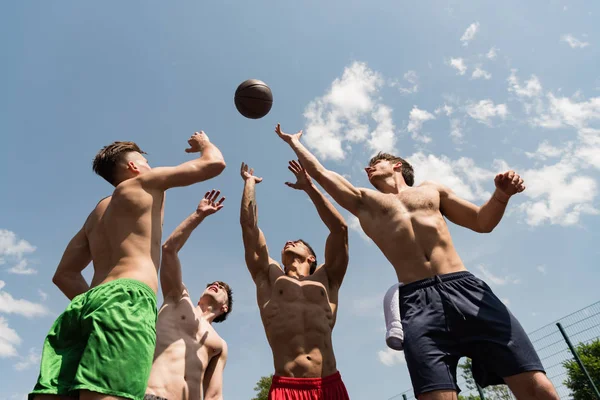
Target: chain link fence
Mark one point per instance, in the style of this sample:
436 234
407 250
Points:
552 346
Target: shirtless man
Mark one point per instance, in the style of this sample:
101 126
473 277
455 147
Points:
101 346
446 312
190 356
298 305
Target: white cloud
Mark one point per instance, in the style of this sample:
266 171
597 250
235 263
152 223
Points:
446 109
390 357
416 119
573 41
462 176
505 300
533 87
11 246
485 110
455 128
545 151
8 339
563 111
10 305
541 269
21 268
479 73
492 53
488 276
413 79
14 249
31 359
469 33
382 138
459 65
344 113
558 194
43 294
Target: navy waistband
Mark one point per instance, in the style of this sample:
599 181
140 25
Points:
427 282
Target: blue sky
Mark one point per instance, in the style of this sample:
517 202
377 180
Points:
462 90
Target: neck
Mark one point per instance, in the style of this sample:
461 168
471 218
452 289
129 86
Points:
392 185
206 312
295 269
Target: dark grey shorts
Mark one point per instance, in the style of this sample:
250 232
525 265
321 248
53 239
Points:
457 315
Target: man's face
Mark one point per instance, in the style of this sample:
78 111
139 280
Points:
380 169
295 249
218 293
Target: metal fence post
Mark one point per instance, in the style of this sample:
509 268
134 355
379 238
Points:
576 356
480 390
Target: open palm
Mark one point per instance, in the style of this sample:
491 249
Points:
303 180
209 204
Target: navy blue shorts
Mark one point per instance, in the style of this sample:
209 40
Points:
457 315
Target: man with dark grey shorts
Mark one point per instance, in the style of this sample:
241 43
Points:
446 312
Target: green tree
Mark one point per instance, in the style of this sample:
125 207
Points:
262 388
576 380
498 392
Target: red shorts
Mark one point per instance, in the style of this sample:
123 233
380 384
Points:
329 388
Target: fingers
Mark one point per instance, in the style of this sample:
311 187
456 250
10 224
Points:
244 168
292 185
297 165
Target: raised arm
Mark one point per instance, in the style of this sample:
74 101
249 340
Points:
207 166
213 376
170 271
342 191
336 247
255 245
77 256
485 218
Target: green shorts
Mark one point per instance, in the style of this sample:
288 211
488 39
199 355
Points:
103 342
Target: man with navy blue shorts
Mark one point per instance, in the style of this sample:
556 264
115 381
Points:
447 313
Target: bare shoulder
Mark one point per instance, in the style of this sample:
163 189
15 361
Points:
442 189
369 194
223 348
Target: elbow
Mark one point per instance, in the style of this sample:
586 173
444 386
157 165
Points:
216 166
58 279
169 248
342 228
485 229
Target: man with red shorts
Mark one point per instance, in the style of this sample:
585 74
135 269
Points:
298 305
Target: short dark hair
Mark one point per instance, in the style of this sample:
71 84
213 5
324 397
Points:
223 316
407 170
313 265
108 157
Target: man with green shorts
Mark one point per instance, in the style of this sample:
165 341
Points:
102 346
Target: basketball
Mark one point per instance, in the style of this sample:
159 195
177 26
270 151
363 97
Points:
253 99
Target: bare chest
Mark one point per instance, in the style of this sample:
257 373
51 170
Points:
180 323
298 306
398 209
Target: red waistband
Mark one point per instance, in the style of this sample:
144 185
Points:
306 383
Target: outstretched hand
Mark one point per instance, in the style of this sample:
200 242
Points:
249 174
197 142
303 180
286 136
209 204
509 183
